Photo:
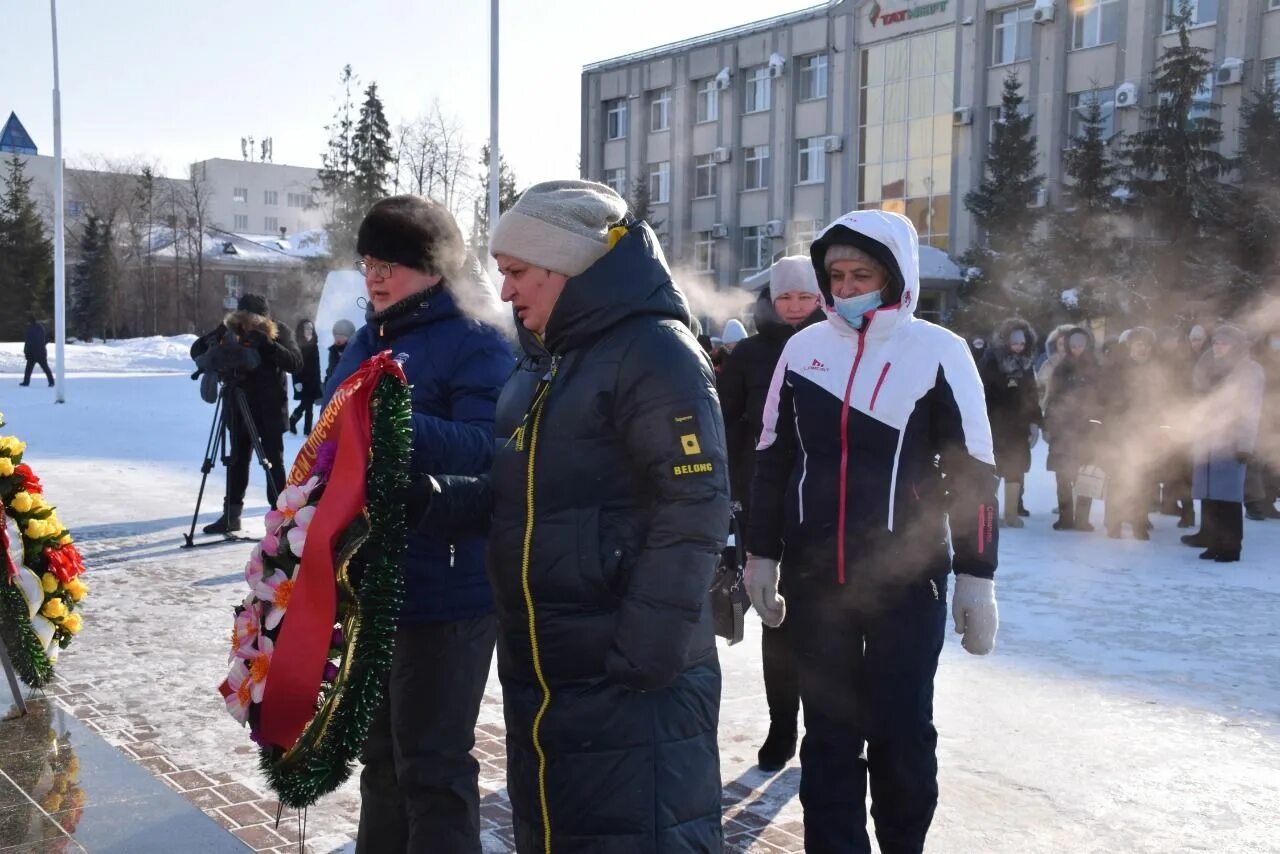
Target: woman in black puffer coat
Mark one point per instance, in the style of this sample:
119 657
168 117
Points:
307 388
610 507
1073 413
1013 405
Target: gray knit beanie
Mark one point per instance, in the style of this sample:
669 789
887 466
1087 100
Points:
793 274
562 226
344 327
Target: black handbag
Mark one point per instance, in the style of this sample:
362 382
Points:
729 600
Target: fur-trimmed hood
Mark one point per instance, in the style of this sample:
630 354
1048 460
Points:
1000 338
1051 343
244 322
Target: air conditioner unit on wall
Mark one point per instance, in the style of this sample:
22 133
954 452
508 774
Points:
775 228
1127 95
722 155
962 116
776 66
1041 199
832 144
1231 71
724 79
1044 11
719 232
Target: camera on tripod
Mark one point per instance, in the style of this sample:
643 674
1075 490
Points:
230 358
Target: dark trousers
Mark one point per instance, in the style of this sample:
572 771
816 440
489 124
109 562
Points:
303 412
866 679
781 680
242 456
1222 525
43 362
419 790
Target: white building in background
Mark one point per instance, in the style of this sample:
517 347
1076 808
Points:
260 198
752 139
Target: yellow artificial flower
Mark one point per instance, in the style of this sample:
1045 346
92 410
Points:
72 624
54 609
35 529
21 502
6 467
65 540
11 445
54 523
49 582
38 502
77 589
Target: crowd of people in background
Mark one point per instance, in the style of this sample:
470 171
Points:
1147 422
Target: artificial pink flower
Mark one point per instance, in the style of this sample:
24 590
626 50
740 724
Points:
297 535
253 569
241 694
270 545
247 629
259 664
275 589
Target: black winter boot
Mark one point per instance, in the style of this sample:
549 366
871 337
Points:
778 749
228 522
1083 506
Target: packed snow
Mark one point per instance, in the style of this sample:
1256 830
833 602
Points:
133 355
1132 703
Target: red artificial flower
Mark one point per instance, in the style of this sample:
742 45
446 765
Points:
64 562
30 482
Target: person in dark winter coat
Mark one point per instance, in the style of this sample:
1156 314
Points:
419 787
35 348
1264 470
307 389
1013 405
342 332
1072 416
611 506
1231 386
866 414
791 302
1135 400
251 326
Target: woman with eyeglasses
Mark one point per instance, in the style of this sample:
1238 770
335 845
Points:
419 788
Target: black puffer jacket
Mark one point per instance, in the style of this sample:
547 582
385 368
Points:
1013 401
744 385
1073 410
600 568
264 387
307 387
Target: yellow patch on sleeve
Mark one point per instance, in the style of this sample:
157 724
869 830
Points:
689 442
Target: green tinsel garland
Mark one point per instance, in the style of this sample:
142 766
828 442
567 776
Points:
323 761
25 650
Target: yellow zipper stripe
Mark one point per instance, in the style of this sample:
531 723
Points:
533 633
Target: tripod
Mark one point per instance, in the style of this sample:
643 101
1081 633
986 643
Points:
230 406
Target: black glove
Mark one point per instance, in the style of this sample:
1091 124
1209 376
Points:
257 339
1244 457
418 498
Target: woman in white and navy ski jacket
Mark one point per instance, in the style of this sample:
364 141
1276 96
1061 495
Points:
875 443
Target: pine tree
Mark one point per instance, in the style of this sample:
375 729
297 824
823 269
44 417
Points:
640 208
89 281
1174 170
26 254
1002 266
371 154
508 193
1259 232
1079 250
337 175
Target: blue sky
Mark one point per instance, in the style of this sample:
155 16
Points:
178 81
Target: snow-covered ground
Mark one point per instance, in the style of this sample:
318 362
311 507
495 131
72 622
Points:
1132 703
133 355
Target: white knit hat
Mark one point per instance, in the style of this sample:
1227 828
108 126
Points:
562 226
793 274
733 332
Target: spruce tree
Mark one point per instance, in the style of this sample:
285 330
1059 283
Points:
508 193
1259 220
371 153
1080 251
1174 170
640 206
1001 265
337 176
87 286
26 254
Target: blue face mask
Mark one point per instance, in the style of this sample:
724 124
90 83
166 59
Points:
852 309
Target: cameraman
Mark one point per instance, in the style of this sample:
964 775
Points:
266 353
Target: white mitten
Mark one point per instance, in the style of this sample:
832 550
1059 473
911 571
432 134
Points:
973 607
1035 435
761 578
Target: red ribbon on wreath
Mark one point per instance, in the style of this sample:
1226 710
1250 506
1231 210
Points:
11 568
302 648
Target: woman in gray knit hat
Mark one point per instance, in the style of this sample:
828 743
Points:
610 503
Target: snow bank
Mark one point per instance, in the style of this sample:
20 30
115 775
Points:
157 354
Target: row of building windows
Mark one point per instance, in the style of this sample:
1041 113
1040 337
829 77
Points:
271 198
811 168
270 224
756 242
811 84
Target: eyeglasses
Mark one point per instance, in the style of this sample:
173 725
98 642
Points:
381 269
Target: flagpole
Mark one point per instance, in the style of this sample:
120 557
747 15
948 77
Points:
59 227
495 157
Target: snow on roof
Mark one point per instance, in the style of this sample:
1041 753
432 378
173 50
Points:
258 249
936 264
